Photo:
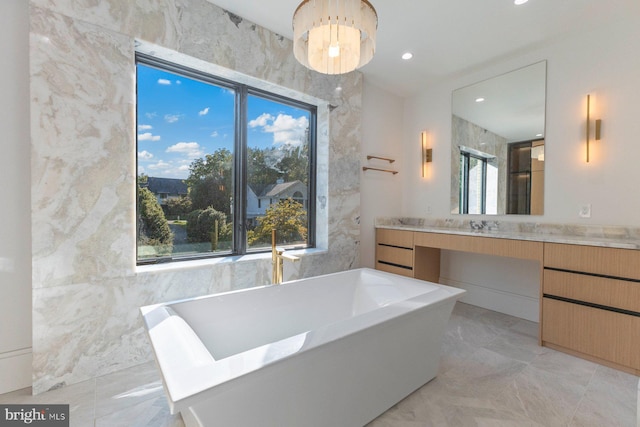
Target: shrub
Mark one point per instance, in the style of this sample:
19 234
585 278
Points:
178 207
201 226
153 227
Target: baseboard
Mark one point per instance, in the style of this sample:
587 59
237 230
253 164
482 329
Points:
15 370
524 307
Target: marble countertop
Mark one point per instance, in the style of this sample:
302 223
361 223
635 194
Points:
574 234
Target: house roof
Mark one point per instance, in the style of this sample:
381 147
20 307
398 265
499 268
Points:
275 190
167 185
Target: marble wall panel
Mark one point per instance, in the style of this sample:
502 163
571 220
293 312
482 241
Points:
87 288
81 150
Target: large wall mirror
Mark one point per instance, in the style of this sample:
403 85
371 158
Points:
497 144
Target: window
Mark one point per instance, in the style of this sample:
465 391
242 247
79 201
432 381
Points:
479 182
219 165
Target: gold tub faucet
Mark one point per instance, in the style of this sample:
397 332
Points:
277 257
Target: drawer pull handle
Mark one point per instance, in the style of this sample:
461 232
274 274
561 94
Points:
592 305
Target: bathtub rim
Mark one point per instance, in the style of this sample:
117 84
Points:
186 386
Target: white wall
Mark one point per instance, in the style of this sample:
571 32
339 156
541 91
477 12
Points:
604 61
380 193
15 234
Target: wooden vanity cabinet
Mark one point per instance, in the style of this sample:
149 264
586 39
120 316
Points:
394 251
590 295
591 303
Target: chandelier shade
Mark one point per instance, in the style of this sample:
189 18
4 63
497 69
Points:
334 36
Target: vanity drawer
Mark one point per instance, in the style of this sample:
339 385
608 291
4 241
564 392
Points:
620 294
403 271
394 251
623 263
394 255
400 238
608 336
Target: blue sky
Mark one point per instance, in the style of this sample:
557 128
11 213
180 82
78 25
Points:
181 119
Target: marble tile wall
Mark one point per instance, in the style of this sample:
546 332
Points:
86 287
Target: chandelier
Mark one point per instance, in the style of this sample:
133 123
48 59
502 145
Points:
334 36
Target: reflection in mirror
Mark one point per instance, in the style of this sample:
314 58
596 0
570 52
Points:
497 149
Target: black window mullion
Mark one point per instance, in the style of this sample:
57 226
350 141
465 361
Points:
483 208
465 183
240 173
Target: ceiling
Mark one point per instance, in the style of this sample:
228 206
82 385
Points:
449 37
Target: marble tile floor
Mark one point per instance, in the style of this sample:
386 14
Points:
492 373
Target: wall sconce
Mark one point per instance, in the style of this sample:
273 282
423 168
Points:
427 153
597 127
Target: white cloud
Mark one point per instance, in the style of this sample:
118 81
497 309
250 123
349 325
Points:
160 166
190 149
148 136
145 155
164 82
145 127
261 121
204 112
171 118
178 82
286 129
167 169
151 115
214 134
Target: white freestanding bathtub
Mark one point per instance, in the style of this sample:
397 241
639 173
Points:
333 350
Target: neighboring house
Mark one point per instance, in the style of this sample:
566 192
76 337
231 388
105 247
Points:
259 200
166 189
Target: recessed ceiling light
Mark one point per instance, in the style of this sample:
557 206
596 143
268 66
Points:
407 55
480 99
519 2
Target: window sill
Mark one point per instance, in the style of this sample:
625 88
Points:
209 262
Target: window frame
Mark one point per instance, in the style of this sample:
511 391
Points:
466 157
240 162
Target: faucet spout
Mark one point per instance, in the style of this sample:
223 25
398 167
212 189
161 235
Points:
277 257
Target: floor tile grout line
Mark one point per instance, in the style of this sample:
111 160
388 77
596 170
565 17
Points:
584 394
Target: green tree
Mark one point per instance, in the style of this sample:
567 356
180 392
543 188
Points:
287 217
260 173
152 226
210 181
268 164
209 192
295 164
